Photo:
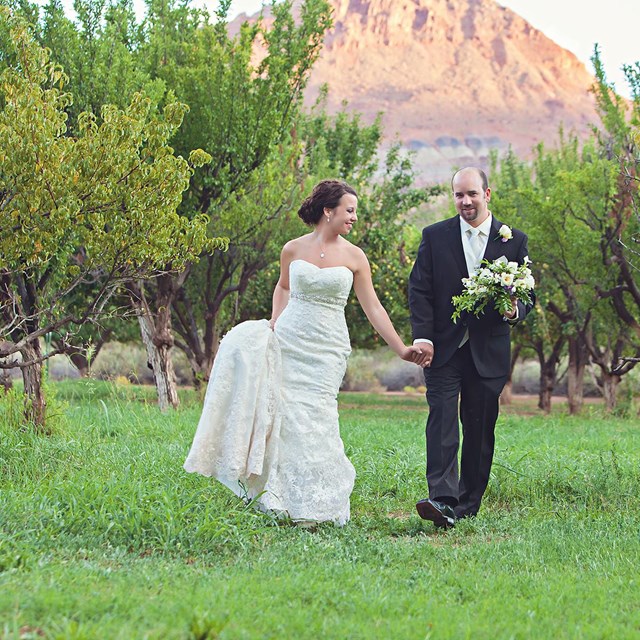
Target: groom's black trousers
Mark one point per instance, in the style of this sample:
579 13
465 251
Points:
459 380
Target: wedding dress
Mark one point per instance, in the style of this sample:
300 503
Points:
269 426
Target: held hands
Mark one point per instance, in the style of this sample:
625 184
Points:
421 354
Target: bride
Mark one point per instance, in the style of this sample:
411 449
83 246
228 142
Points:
269 426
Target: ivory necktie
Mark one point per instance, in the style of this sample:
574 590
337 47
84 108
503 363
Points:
476 243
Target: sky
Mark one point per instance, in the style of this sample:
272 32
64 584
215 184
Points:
576 25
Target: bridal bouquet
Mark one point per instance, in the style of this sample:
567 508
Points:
498 282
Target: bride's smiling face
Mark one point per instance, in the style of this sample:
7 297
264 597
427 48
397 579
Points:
343 216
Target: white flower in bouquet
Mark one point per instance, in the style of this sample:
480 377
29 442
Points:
499 282
507 279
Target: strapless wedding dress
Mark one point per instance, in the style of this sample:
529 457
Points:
269 426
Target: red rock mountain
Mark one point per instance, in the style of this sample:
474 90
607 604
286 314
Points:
454 78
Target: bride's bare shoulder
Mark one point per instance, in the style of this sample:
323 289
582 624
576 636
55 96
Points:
356 255
298 242
292 246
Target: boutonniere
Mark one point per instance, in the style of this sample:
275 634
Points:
505 233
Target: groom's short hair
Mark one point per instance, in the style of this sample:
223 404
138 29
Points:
480 172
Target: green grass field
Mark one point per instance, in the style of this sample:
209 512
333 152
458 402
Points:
102 534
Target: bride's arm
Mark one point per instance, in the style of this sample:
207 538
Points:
281 292
379 318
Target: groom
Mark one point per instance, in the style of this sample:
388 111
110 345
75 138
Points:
470 359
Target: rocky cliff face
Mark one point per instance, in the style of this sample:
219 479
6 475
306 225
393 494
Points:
454 78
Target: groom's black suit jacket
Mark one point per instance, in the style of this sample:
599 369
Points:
437 277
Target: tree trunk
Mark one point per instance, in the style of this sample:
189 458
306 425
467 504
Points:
578 359
610 384
506 397
220 281
548 371
547 382
201 372
200 359
161 363
6 382
35 404
548 374
607 359
80 362
200 349
158 341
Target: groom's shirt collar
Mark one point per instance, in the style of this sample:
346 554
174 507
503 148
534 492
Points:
485 227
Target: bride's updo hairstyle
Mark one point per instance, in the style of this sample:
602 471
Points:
325 195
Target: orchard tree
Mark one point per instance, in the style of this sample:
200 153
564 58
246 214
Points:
516 201
619 142
97 51
97 210
608 338
542 198
574 186
570 202
244 93
259 218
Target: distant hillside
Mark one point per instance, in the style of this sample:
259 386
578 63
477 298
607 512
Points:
454 78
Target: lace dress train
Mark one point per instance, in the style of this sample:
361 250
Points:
269 426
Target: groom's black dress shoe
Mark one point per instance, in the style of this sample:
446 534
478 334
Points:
441 514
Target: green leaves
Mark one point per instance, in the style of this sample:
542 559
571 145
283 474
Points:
97 208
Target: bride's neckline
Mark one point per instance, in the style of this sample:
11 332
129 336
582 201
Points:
340 266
